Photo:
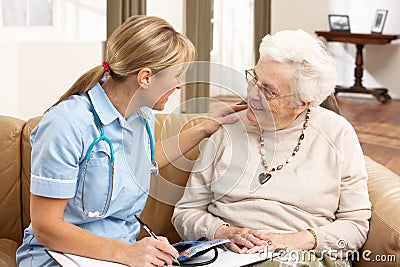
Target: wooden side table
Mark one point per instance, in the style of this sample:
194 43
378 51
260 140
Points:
360 39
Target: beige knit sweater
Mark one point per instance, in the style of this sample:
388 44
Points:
324 187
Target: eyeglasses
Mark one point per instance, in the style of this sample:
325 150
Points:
252 80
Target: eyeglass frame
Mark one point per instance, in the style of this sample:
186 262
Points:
269 95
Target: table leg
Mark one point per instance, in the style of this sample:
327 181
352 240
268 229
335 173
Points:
381 94
358 71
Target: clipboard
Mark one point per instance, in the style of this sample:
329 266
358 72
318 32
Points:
225 258
70 260
187 249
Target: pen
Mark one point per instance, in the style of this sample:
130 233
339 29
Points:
152 234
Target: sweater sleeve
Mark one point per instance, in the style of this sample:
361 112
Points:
191 217
349 230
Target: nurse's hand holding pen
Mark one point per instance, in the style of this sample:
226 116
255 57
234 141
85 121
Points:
150 252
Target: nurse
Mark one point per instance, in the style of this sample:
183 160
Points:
93 152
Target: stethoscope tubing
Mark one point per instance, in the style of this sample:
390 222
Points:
102 137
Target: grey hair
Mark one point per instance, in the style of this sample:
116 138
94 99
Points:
314 68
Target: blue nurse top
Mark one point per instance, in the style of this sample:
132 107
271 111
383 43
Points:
59 144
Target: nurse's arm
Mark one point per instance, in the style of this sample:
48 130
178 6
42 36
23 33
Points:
50 230
167 151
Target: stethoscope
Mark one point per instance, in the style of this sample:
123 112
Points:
102 137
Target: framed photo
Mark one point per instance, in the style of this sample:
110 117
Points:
339 22
379 21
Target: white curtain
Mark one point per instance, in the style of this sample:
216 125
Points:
233 33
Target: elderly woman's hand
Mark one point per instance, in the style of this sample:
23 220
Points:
303 240
242 239
223 115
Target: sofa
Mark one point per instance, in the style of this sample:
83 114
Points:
382 247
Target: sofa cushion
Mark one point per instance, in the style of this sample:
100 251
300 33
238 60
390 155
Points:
10 163
384 235
167 188
26 169
7 252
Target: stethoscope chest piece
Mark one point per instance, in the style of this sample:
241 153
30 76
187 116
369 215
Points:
93 214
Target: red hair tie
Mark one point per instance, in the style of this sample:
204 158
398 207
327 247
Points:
106 67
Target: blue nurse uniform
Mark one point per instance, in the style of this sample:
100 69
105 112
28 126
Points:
59 144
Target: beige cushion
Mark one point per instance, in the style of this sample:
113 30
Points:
7 252
10 163
26 169
384 234
167 188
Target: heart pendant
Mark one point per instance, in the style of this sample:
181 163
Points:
264 177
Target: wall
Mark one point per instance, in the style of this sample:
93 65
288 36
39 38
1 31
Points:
9 79
380 62
35 74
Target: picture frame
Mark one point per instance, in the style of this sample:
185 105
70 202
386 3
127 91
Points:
339 22
379 20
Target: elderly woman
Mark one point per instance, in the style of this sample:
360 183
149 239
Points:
290 174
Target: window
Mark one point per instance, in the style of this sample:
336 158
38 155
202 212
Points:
52 20
27 12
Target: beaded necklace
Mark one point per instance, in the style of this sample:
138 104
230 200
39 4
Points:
266 175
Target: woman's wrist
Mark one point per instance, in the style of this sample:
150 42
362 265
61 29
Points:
313 239
221 231
118 251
